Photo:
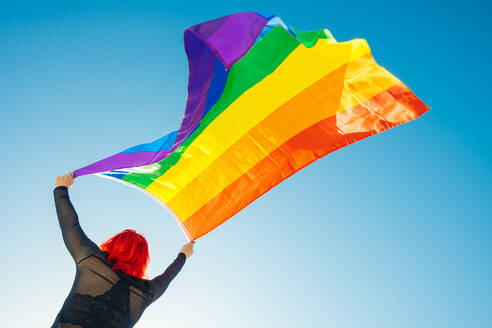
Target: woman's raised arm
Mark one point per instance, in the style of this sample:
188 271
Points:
74 237
161 282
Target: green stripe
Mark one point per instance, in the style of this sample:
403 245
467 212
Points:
262 59
310 38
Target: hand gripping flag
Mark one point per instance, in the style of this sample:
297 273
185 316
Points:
264 101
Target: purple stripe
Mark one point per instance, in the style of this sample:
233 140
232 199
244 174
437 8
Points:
207 29
236 36
230 42
201 62
121 161
228 38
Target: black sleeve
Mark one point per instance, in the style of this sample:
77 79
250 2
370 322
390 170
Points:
160 283
74 237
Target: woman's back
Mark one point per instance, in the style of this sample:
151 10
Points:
102 296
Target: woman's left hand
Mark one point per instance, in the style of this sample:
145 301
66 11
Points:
64 180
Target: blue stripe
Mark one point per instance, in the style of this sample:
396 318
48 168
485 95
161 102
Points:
163 143
215 89
216 86
115 174
265 15
272 22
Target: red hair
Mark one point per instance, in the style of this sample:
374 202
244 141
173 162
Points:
128 251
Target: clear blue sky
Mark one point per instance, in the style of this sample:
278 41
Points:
392 231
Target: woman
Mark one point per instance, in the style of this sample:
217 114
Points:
109 289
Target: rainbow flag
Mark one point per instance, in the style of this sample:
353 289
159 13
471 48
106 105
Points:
264 101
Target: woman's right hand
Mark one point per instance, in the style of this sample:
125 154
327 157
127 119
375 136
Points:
188 249
65 180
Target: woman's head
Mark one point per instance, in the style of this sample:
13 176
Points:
128 251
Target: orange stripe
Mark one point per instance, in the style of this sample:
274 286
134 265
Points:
341 89
390 108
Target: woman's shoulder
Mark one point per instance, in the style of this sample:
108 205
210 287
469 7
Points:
141 283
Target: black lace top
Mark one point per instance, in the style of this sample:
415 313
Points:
102 296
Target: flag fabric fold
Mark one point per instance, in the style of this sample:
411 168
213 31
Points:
264 101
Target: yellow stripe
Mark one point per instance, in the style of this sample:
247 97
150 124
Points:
362 79
303 67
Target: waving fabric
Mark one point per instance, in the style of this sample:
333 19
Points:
264 101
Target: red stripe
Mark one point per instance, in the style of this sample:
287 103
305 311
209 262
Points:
392 107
